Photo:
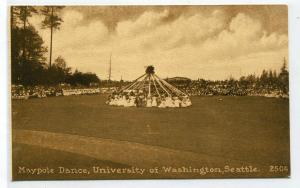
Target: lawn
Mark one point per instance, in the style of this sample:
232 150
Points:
253 130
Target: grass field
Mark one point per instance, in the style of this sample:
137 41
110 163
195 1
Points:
252 130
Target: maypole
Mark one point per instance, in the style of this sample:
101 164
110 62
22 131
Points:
149 86
142 92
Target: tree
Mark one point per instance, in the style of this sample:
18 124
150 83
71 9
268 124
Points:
22 13
251 79
51 21
35 48
283 77
61 64
16 53
79 78
59 71
263 80
24 69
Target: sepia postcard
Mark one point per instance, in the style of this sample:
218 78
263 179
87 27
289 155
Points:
149 92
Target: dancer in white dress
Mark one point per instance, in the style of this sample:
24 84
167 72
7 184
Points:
154 102
186 102
111 101
189 102
176 102
120 101
126 102
162 104
132 101
183 103
149 102
169 102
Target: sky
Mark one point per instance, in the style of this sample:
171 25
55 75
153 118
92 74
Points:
210 42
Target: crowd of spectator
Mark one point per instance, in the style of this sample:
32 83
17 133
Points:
21 92
235 88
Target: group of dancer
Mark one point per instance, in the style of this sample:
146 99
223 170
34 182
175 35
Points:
132 99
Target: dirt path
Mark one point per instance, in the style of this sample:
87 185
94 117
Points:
123 152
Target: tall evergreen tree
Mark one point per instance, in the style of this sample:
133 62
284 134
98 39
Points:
283 77
51 21
263 78
27 71
22 13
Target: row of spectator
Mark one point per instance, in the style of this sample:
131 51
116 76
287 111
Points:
196 89
20 92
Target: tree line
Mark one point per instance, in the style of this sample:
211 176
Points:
268 79
29 65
